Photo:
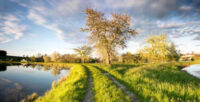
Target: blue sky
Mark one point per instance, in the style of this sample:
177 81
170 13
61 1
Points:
29 27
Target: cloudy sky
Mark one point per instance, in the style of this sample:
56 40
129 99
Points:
29 27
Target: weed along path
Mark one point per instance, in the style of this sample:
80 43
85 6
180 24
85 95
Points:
104 89
133 98
89 94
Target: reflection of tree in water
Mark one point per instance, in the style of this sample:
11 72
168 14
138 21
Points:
46 67
39 67
33 66
55 71
55 68
3 67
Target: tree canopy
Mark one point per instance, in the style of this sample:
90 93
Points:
83 52
159 49
107 34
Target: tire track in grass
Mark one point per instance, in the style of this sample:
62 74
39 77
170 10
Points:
104 89
132 96
89 94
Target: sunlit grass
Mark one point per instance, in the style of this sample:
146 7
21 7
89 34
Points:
153 83
72 89
104 89
159 83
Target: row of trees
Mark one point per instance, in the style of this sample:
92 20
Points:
107 34
68 58
158 49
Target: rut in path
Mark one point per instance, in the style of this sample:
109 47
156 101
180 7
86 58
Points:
89 95
133 97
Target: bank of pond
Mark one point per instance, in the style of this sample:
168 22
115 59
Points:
62 82
18 81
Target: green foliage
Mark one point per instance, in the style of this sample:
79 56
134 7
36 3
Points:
158 82
159 50
33 59
104 89
83 52
130 58
69 58
73 89
150 82
30 98
174 55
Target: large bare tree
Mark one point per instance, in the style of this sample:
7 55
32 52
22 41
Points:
107 34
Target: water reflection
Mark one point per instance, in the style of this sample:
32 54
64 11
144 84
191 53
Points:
193 70
55 69
3 67
10 91
18 81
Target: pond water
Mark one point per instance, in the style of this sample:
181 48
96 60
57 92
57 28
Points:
193 70
17 81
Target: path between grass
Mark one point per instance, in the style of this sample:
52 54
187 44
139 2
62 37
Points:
89 94
133 97
104 89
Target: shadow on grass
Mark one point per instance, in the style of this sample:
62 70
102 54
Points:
169 75
160 78
127 85
157 75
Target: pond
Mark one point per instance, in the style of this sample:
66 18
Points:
18 81
193 70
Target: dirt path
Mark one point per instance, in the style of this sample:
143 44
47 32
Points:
89 95
133 98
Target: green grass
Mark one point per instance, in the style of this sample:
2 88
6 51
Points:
72 89
151 83
104 89
158 83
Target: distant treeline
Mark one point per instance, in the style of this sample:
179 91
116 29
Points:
11 58
56 57
4 57
3 53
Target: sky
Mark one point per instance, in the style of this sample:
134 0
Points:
28 27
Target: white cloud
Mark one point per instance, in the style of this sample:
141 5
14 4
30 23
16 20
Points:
185 8
65 17
173 24
36 17
125 3
56 16
10 28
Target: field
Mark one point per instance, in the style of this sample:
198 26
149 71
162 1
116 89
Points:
125 83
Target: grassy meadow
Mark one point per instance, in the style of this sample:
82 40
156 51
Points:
69 89
90 43
149 82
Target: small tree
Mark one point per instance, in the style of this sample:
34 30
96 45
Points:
174 54
159 49
33 59
108 34
127 57
83 52
55 56
46 58
130 58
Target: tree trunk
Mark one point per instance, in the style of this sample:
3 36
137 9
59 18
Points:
108 61
82 60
